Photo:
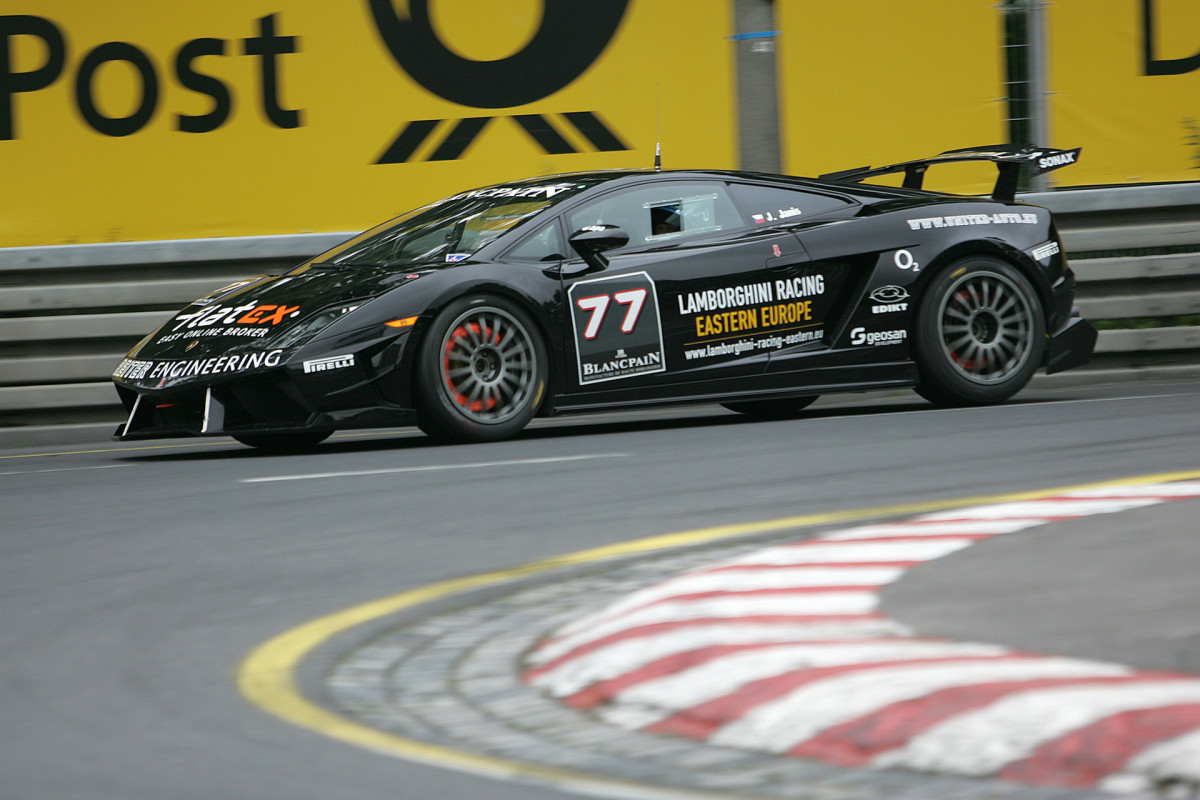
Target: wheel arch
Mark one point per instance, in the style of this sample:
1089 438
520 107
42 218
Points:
996 249
946 386
536 312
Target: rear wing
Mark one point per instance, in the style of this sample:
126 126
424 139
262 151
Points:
1008 159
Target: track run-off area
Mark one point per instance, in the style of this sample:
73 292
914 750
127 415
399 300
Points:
160 597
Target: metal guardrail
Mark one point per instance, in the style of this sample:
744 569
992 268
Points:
68 313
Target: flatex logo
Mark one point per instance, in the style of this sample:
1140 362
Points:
566 44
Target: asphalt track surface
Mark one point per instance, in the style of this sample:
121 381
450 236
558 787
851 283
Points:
135 578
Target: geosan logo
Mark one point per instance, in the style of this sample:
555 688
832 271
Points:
569 39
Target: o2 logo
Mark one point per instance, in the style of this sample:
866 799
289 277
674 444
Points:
567 42
904 260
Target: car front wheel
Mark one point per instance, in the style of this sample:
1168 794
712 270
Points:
481 371
980 333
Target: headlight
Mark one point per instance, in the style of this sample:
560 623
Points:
303 331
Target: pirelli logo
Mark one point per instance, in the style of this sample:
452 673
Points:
330 363
1044 251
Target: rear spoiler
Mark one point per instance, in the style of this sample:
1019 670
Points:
1008 159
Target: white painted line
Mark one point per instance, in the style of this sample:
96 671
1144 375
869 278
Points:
730 581
735 606
432 468
1177 758
721 676
916 529
851 552
780 725
64 469
982 742
626 655
1179 489
1049 509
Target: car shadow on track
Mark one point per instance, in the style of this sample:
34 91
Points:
662 419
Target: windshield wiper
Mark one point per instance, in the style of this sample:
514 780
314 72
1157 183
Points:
343 264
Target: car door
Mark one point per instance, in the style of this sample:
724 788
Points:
678 310
831 283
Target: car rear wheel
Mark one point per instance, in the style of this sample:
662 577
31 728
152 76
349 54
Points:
283 442
980 333
481 371
785 408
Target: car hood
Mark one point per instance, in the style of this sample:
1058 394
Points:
269 312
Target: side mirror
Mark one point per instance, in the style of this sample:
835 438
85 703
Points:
591 241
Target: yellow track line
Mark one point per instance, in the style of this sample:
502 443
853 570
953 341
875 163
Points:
266 676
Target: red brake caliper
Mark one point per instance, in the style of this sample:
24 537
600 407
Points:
458 335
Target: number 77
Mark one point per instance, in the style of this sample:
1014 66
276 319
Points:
597 305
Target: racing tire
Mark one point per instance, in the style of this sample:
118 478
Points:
480 371
980 333
785 408
283 443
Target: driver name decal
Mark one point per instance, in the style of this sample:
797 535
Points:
618 332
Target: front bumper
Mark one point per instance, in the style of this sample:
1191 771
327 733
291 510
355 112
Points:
354 388
245 407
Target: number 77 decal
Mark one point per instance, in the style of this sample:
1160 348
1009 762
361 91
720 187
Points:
597 305
616 327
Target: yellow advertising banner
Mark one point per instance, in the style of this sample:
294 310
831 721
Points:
1124 80
878 82
161 119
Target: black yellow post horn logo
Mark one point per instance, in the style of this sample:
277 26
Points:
571 36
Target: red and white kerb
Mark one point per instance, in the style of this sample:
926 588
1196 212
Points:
785 650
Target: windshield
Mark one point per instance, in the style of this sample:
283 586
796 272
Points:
452 229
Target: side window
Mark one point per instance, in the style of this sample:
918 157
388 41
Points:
772 205
545 245
662 212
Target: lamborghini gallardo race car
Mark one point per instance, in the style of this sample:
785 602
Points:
621 289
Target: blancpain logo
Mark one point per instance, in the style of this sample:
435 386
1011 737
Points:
328 363
622 364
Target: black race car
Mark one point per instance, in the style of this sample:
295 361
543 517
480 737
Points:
619 289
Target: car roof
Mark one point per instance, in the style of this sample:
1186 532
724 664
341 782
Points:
860 190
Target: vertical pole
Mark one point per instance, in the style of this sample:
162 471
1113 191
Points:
754 40
1039 127
1025 66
